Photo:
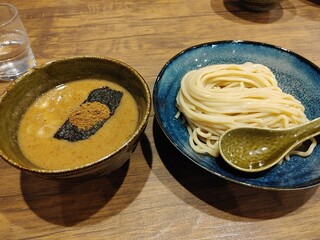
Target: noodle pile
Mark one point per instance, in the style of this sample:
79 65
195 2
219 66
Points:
216 98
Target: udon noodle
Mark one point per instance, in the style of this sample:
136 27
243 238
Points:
216 98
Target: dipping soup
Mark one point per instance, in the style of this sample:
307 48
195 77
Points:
50 111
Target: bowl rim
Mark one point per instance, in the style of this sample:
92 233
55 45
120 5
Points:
83 168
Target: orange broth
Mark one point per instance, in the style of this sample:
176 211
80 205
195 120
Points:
46 115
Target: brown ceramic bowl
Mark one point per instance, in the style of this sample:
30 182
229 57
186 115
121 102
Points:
259 5
21 94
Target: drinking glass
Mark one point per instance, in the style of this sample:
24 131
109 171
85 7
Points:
16 56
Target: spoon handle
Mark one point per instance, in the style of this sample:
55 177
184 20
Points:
307 130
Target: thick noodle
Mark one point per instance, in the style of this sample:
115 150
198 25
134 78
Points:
216 98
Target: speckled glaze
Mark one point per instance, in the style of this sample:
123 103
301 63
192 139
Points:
256 149
259 5
21 93
296 75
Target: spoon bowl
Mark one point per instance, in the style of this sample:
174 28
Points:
257 149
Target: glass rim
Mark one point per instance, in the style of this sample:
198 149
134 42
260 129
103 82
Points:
13 17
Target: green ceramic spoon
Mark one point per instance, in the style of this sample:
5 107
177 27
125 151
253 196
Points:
256 149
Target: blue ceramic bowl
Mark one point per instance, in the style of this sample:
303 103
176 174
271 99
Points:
295 74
